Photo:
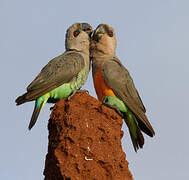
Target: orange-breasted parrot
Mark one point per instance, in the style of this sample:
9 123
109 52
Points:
114 85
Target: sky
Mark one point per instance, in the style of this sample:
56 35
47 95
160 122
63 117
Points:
152 43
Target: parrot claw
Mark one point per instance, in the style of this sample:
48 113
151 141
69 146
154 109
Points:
73 93
83 90
69 97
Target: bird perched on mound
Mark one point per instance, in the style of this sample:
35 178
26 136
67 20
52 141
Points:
114 85
63 75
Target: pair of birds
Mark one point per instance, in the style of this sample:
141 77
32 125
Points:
65 75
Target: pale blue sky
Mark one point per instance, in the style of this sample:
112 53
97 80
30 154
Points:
153 43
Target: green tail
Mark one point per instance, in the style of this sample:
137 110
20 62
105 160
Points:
134 130
130 119
39 103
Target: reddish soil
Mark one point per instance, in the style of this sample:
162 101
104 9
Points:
85 142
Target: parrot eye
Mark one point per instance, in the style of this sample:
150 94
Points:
110 34
76 33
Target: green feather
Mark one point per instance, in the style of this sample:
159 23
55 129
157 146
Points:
60 92
130 119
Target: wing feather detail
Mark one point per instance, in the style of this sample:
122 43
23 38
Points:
119 80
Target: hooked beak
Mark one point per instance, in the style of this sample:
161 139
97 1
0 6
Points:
98 32
87 28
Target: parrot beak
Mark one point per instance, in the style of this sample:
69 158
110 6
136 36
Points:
87 28
99 31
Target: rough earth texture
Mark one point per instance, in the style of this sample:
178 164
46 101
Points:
85 142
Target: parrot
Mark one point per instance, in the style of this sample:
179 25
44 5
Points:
63 75
114 86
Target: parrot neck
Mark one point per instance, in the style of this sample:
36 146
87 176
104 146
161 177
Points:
98 52
82 52
86 59
101 58
102 48
98 61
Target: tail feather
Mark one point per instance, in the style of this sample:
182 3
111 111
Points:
28 96
21 99
145 129
137 142
135 132
35 115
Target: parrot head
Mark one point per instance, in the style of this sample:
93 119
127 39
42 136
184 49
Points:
78 37
104 40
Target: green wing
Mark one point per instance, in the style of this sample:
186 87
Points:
119 80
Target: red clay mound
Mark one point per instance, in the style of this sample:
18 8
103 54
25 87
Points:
85 142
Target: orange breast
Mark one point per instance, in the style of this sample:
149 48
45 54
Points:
101 87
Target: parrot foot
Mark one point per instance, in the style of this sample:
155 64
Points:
73 93
114 107
69 97
83 90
